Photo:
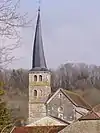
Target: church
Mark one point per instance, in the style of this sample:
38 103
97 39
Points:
62 105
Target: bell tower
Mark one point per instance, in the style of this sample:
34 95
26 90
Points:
39 78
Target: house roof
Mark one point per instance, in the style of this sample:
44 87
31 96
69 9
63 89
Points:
77 99
97 108
87 126
49 121
46 124
94 114
90 116
73 97
38 129
59 119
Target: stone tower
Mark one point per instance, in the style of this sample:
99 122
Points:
39 78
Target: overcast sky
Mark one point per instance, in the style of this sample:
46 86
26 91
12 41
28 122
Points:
70 30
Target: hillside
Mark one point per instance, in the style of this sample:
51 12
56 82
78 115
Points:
81 78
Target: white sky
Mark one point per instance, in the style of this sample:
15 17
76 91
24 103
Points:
71 32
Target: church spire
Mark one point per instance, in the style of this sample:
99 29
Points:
38 61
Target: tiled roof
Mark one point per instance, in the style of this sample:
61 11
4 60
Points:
90 116
88 126
60 119
97 108
77 99
49 121
38 129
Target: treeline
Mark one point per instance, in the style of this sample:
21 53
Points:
15 80
69 76
81 78
76 76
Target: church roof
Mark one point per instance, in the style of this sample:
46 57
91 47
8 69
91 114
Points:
77 99
38 61
73 97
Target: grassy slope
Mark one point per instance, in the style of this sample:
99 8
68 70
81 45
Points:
19 102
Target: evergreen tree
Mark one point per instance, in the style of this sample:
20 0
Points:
4 112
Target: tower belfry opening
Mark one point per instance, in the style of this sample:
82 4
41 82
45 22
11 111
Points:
39 77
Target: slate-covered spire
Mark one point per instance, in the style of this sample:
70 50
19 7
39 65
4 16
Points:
38 61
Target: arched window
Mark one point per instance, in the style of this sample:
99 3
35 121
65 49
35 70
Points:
35 93
40 77
35 77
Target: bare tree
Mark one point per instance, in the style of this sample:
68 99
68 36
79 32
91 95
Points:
11 22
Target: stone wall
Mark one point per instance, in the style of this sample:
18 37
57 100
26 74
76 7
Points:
39 90
36 112
60 106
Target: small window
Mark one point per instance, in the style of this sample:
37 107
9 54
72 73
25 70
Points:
60 95
40 77
35 77
35 93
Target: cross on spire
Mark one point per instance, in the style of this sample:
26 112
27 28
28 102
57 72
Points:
38 61
39 3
